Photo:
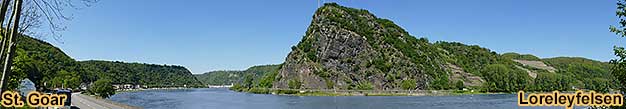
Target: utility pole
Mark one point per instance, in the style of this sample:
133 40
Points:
6 71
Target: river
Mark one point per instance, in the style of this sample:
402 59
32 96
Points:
221 98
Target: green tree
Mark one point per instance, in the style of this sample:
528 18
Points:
365 86
102 88
248 81
409 84
502 78
619 64
459 85
268 80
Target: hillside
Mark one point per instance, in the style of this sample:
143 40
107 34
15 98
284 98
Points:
139 73
231 77
46 64
43 63
347 48
586 73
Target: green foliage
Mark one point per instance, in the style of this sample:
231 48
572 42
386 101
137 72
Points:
408 84
472 58
583 70
322 73
294 84
102 88
151 75
263 75
259 90
619 65
500 78
459 85
619 68
382 65
268 80
237 87
329 84
247 81
546 81
306 45
517 56
220 77
65 79
365 86
42 63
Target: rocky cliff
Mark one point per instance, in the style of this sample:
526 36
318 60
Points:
346 48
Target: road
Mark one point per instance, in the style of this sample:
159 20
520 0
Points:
87 102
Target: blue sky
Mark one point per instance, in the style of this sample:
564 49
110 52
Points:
207 35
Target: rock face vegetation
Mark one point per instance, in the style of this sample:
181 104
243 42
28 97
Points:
352 49
347 48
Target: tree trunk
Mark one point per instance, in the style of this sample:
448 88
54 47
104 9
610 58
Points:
6 71
3 11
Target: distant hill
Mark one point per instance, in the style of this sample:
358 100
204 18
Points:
49 67
231 77
139 73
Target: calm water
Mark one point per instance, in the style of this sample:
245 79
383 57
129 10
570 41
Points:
226 99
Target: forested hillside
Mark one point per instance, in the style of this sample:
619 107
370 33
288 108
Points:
49 67
138 73
255 73
43 63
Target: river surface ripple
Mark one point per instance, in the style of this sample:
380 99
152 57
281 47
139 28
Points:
221 98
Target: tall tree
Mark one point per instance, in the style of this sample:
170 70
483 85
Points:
619 64
26 16
6 70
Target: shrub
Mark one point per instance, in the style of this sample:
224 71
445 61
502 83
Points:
102 88
459 85
409 84
294 84
365 86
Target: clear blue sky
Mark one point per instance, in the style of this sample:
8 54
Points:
207 35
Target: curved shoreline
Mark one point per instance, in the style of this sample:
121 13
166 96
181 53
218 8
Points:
309 92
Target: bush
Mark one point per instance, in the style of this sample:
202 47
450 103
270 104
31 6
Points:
294 84
409 84
459 85
237 87
268 79
102 88
259 90
365 86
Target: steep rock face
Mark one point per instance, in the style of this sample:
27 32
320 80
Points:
346 48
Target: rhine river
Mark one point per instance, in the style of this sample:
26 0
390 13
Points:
222 98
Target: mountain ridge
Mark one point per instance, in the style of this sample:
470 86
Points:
47 65
347 48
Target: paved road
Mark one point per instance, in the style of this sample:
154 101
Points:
87 102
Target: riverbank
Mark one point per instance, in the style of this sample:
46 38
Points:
137 90
92 102
330 92
322 92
